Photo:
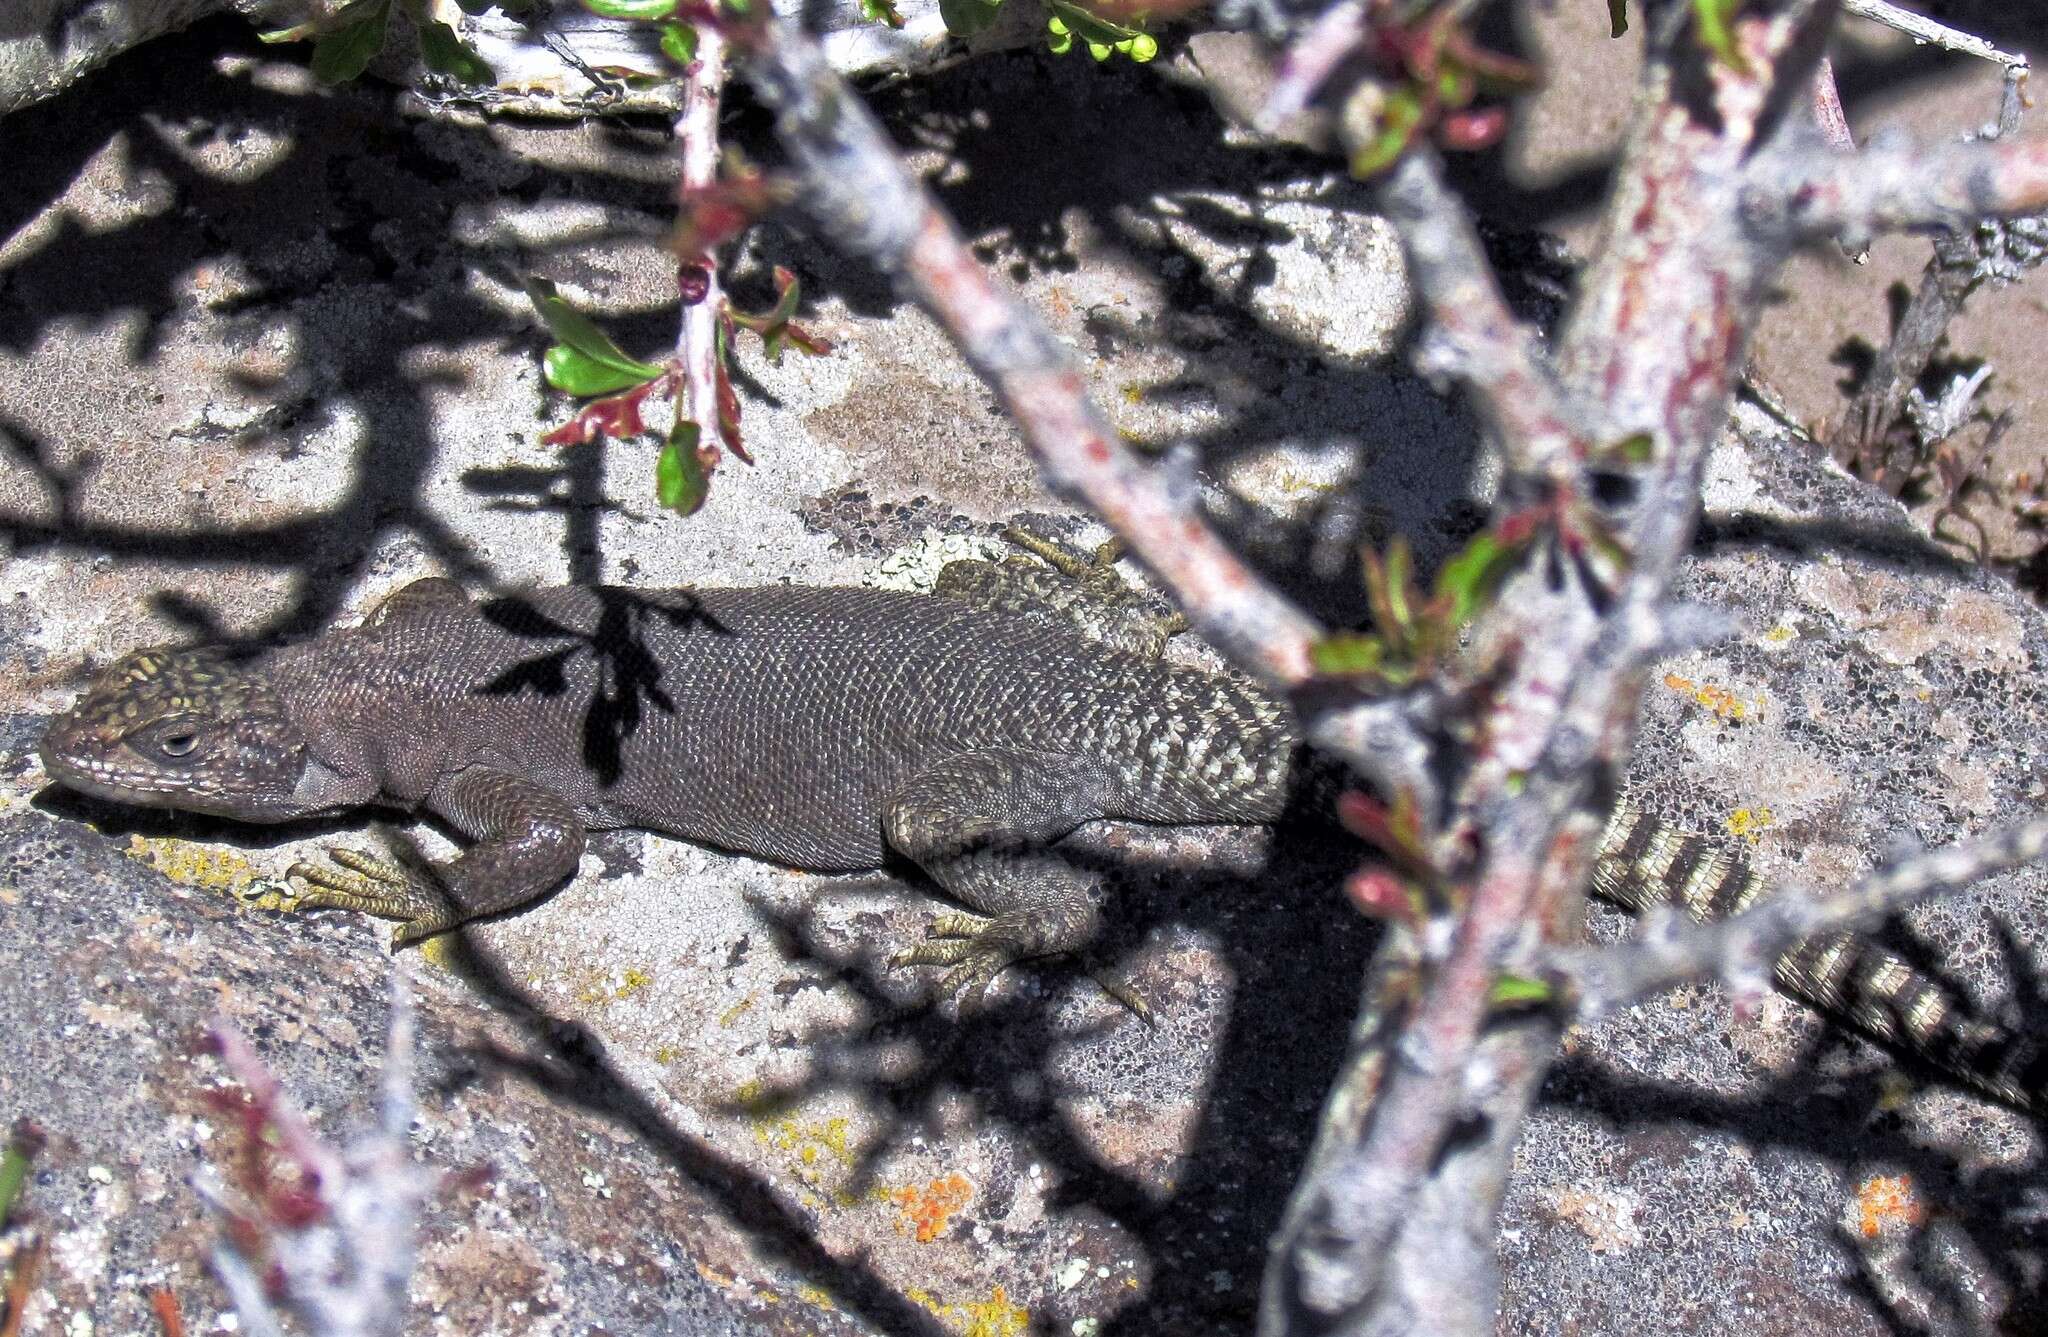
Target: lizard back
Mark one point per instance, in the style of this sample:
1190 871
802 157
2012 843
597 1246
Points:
774 721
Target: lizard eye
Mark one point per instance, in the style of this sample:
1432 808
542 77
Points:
170 740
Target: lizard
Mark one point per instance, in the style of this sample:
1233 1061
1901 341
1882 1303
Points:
968 730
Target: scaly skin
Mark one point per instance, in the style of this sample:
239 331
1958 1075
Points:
820 729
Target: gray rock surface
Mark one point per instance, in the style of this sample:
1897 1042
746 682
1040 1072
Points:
263 359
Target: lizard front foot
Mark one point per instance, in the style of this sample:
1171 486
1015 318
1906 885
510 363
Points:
371 886
979 948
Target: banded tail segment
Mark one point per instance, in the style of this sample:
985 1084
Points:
1643 864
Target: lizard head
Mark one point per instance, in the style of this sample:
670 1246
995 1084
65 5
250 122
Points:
186 729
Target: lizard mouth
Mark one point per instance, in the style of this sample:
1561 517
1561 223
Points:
148 790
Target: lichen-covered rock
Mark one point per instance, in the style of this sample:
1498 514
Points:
263 359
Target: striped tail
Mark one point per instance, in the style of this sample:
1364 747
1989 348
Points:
1643 864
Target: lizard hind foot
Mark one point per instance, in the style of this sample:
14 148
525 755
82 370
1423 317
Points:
372 886
972 945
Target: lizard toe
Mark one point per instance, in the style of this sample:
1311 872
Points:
372 886
946 953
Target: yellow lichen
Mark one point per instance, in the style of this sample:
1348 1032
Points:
735 1012
927 1209
1750 823
815 1296
806 1141
634 981
993 1317
207 867
443 952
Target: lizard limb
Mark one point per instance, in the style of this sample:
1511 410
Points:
979 822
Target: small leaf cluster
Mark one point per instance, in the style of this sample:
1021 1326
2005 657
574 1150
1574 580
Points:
677 38
1432 75
347 39
1096 27
585 362
1101 36
1412 634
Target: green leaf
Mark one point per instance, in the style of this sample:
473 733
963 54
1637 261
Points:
1099 51
1638 449
1471 577
1347 654
298 32
345 53
680 482
574 373
14 1163
1716 35
1617 17
1400 583
1061 42
964 18
1398 120
631 9
679 42
580 335
1519 991
445 53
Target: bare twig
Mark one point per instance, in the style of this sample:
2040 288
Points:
1600 980
1800 195
1472 336
1923 29
861 196
1959 265
339 1244
697 138
1312 58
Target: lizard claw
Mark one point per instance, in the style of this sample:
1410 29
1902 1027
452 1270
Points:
972 945
371 886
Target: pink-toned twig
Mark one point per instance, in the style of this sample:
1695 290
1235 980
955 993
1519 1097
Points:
1313 57
696 132
1471 335
1891 186
1828 115
335 1250
861 196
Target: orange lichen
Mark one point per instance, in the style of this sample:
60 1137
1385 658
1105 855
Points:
928 1209
1887 1200
1722 703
